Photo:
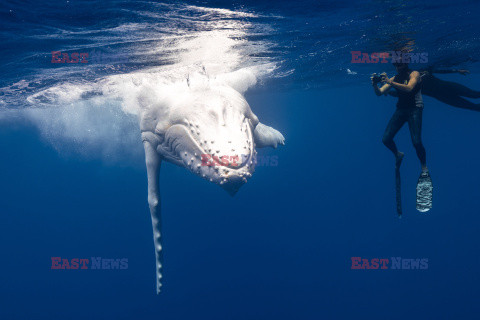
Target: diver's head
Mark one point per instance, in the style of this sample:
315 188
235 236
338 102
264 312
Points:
401 67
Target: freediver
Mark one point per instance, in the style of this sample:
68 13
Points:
407 84
447 92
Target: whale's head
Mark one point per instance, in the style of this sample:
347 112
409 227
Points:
210 133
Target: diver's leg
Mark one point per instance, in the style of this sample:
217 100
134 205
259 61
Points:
153 161
450 92
415 126
394 125
424 184
460 90
456 101
265 136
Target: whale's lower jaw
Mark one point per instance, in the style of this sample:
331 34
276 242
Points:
211 159
234 184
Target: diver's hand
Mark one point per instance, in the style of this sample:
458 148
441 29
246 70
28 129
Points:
376 78
385 78
463 72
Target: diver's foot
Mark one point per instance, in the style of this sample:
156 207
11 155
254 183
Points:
398 159
425 172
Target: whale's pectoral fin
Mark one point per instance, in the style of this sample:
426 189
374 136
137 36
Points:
153 161
266 136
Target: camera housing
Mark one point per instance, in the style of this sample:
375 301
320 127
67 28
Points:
376 78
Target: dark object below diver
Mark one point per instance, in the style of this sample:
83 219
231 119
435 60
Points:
398 188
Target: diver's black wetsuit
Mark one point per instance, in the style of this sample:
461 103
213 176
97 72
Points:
446 91
409 109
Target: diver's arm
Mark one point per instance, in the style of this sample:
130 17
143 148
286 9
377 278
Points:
382 90
461 71
414 80
443 71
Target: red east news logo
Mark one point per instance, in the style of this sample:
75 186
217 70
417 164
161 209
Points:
93 263
375 263
64 57
363 57
395 56
213 161
395 263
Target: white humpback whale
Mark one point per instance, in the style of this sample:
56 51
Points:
189 107
203 119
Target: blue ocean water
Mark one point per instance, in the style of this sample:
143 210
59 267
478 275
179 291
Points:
73 181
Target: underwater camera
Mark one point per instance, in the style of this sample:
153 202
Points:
376 78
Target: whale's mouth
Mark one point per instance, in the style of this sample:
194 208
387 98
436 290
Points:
224 155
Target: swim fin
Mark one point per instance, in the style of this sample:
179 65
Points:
424 192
